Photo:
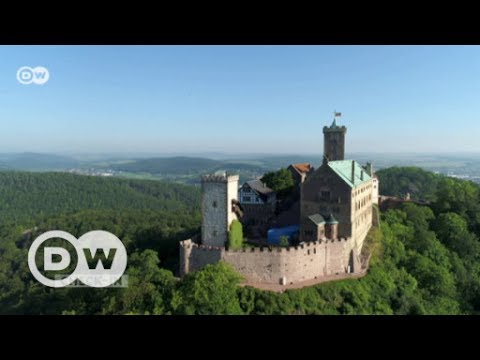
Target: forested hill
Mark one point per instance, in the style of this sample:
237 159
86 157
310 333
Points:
26 196
425 258
398 181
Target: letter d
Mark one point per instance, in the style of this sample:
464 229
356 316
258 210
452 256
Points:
49 265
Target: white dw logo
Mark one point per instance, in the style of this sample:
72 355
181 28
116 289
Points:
101 258
38 75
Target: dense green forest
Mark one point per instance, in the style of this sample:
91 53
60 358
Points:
425 261
27 196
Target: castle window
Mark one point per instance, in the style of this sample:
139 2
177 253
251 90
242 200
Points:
315 251
325 195
214 204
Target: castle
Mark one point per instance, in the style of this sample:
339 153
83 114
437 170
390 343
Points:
335 216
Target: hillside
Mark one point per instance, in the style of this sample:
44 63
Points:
26 196
398 181
425 258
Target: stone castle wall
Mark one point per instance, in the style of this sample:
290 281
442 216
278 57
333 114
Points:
193 257
277 265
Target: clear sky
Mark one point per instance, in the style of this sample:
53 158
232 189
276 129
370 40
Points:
240 99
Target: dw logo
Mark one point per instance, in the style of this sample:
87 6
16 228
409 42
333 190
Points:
101 258
38 75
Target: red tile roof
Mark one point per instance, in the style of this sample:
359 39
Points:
302 168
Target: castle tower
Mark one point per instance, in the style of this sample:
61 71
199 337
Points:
334 142
331 228
219 194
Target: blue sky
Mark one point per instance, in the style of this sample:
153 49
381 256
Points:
240 99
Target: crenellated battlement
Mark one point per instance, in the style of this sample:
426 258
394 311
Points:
189 244
334 129
220 178
274 264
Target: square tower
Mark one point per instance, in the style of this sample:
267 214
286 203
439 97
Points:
219 196
334 142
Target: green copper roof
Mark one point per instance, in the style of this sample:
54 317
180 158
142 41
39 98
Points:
331 219
334 123
343 168
317 219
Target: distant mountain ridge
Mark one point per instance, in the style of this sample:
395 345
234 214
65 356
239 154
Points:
184 165
187 169
36 161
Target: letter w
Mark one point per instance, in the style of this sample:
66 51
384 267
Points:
100 258
40 75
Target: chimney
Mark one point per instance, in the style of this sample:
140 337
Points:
369 169
353 171
361 175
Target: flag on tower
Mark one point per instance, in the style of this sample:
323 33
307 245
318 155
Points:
338 114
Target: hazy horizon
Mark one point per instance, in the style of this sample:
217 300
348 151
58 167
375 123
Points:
269 100
227 155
